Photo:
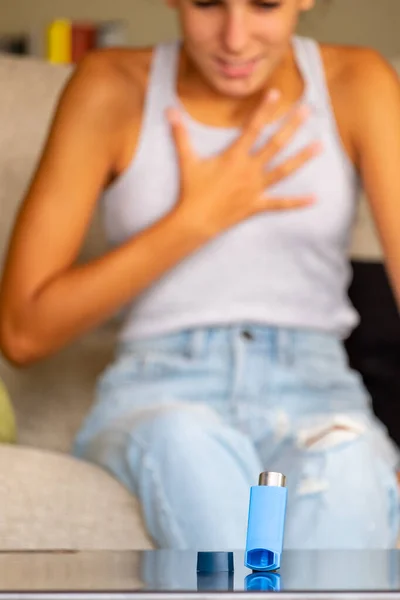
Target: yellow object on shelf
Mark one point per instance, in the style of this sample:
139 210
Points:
59 45
7 418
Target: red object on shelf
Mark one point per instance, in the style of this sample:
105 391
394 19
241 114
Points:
84 36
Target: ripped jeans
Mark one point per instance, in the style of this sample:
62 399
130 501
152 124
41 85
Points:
188 421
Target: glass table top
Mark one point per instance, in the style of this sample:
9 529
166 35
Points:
168 574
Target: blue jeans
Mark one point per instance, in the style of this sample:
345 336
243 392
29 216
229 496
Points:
188 421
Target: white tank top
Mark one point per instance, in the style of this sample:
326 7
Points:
286 269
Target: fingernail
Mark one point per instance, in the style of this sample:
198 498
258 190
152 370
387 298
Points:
273 95
317 147
304 111
173 115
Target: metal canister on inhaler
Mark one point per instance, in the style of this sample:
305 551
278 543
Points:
266 523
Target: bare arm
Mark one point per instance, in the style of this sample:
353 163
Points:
376 94
46 301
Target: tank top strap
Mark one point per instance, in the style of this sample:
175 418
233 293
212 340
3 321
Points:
310 63
162 82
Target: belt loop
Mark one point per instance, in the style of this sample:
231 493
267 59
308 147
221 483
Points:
238 349
285 346
198 342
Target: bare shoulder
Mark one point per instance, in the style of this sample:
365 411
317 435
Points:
110 81
106 94
362 85
358 72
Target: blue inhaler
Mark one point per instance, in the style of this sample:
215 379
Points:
266 524
263 582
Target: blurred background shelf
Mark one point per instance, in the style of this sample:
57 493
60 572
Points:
364 22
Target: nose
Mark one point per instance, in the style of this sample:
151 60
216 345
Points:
235 31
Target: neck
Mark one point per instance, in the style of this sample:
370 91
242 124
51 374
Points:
209 106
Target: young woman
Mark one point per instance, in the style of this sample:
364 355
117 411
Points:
230 164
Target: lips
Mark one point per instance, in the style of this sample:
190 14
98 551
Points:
236 70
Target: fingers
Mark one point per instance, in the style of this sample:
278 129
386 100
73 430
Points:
280 140
180 135
289 203
252 130
292 164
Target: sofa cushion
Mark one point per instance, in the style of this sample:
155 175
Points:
30 89
45 506
52 397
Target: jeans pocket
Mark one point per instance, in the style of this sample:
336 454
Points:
148 365
157 364
322 362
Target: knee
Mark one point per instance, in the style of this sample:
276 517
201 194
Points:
172 430
342 467
331 464
335 432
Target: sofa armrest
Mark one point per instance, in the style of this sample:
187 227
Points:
51 501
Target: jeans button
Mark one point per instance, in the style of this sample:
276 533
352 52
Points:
247 335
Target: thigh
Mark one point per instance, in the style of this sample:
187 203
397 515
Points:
342 493
338 459
177 436
160 372
191 472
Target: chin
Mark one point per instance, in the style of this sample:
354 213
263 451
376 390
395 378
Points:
238 88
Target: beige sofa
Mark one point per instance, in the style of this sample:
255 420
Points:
49 500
